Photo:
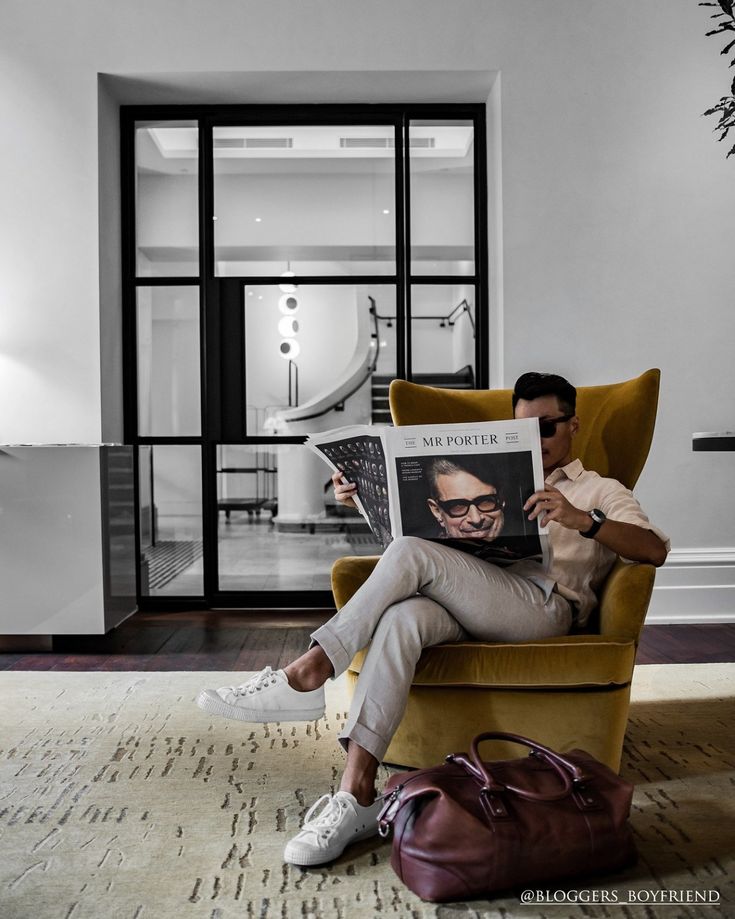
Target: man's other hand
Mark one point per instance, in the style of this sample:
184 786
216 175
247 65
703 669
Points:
344 492
550 504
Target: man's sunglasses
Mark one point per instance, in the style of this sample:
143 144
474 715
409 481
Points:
547 427
458 507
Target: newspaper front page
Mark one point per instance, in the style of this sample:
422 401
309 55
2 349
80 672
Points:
464 484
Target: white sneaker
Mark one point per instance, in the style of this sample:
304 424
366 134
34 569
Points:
265 697
326 836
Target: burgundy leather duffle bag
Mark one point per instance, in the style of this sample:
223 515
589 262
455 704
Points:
469 828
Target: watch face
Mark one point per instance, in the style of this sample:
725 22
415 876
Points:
598 516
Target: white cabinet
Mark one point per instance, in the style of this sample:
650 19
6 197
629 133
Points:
67 539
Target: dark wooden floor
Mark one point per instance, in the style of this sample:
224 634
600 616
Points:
248 640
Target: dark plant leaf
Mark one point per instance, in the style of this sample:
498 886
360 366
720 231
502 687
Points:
725 108
723 103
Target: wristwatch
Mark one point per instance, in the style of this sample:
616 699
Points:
598 518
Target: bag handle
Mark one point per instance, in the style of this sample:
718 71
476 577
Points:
569 773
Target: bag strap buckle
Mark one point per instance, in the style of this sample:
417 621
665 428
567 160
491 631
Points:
587 798
493 802
390 809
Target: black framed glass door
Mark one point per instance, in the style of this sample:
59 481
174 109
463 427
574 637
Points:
281 265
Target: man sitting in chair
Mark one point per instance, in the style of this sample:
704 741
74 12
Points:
424 593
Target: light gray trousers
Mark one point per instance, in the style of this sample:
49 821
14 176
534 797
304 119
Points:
422 593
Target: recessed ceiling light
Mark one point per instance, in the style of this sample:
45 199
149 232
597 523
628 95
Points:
258 219
385 211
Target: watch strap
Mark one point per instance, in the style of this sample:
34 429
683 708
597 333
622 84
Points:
598 518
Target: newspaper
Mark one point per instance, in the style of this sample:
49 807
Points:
464 484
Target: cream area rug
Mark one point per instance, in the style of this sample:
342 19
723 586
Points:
119 798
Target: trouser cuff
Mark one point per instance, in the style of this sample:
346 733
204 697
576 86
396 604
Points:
332 647
367 739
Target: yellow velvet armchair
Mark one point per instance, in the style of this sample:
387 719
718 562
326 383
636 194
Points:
566 692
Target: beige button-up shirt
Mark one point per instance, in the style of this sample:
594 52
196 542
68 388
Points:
580 565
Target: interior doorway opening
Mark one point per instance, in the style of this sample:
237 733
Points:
281 266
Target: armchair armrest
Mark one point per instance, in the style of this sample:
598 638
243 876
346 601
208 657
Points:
349 573
624 600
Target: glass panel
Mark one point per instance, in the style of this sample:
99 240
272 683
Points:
320 353
278 528
307 199
167 199
168 361
442 197
443 334
170 481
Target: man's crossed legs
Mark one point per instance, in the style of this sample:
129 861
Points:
421 593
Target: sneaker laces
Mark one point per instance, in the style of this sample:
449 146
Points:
266 677
324 823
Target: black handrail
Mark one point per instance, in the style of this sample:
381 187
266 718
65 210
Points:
463 307
449 320
375 335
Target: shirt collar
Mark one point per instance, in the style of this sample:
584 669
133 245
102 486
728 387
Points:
571 471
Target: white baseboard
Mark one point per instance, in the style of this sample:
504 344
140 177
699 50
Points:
694 586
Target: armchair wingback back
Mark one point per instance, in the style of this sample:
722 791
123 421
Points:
616 420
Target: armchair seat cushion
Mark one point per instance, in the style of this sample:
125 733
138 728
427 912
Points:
568 662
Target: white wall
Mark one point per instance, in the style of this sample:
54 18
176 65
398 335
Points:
617 202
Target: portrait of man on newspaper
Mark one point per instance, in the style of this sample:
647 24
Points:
462 504
475 504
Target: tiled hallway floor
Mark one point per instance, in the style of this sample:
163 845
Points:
254 556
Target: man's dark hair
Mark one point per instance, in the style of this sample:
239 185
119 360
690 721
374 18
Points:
534 385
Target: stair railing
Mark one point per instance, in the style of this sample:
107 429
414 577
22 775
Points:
444 321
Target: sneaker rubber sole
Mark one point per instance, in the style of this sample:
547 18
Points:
307 857
209 701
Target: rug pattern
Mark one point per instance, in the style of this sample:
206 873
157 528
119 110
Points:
118 797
